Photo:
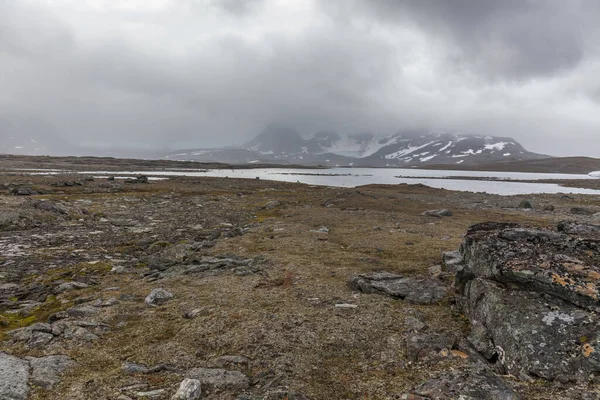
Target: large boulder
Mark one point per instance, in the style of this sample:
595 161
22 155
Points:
532 297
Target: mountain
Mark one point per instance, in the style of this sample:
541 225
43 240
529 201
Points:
284 145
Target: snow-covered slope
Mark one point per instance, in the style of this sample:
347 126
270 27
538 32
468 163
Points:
284 145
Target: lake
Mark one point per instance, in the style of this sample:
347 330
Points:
490 182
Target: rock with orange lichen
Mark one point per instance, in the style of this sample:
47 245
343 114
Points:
532 294
564 263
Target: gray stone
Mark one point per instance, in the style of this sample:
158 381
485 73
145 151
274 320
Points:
582 211
413 290
46 371
39 339
82 311
414 324
106 303
429 346
68 286
152 394
219 379
272 204
451 261
194 313
134 368
470 384
168 257
14 375
437 213
158 297
190 389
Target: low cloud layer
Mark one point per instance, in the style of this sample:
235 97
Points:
159 74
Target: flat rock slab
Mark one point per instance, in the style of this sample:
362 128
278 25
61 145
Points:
46 371
418 290
216 379
14 378
469 384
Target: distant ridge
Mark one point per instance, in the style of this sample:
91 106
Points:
283 145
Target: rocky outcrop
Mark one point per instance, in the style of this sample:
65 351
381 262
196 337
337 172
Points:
417 290
478 384
531 296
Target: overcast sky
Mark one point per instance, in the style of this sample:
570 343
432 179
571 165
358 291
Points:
203 73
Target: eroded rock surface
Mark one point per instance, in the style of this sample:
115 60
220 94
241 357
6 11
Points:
531 296
469 384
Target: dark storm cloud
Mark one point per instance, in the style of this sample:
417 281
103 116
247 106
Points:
513 39
165 73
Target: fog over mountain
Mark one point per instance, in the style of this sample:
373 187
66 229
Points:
155 76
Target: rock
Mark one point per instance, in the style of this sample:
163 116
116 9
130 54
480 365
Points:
437 213
48 206
525 204
153 394
415 324
532 296
451 261
224 361
582 211
429 346
46 371
24 192
272 204
39 339
106 303
194 313
346 306
576 228
219 379
69 286
82 311
190 389
158 297
134 368
322 229
470 384
549 208
14 374
168 257
413 290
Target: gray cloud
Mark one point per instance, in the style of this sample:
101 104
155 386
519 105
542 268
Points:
202 73
512 39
